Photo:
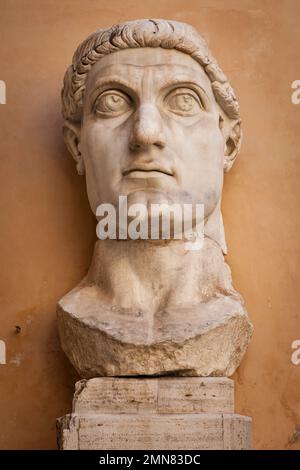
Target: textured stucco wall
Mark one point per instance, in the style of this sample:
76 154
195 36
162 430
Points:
47 231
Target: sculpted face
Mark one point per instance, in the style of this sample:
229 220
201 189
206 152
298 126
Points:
150 130
157 126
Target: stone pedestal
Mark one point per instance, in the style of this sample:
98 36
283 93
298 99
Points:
166 413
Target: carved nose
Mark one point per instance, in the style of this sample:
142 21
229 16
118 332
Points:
147 128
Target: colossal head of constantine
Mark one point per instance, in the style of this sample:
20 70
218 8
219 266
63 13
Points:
148 114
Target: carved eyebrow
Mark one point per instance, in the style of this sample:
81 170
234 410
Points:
112 80
183 80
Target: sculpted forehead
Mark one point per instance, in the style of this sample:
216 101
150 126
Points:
165 64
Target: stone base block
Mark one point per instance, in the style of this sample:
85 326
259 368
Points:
166 413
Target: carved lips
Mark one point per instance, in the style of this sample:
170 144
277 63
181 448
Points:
146 171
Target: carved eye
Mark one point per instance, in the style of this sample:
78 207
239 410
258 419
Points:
112 103
184 101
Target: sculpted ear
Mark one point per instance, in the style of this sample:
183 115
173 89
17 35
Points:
71 133
232 133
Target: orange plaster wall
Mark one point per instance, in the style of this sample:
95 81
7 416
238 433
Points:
47 231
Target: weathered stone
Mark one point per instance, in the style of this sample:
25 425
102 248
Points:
163 395
163 413
205 340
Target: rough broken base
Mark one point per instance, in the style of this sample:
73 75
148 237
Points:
159 413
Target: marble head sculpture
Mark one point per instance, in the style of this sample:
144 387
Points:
148 114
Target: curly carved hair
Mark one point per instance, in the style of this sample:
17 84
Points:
149 33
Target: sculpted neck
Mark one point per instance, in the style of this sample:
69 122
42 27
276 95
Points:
156 274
